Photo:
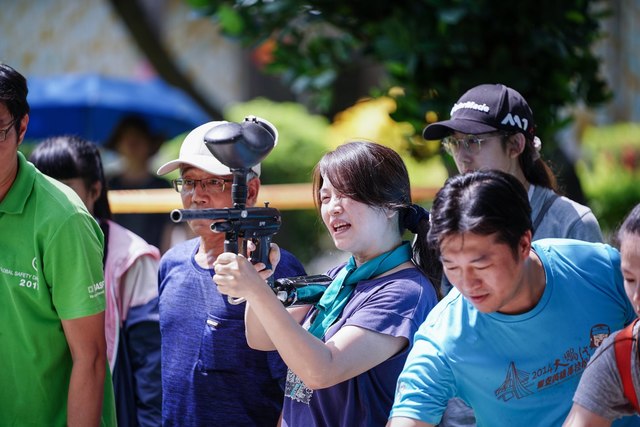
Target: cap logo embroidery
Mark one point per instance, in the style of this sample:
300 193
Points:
515 120
471 105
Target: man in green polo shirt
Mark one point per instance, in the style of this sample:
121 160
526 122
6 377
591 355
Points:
52 350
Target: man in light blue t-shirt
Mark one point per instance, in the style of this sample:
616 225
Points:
514 336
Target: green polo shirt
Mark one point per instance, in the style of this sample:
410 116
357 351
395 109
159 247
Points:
50 269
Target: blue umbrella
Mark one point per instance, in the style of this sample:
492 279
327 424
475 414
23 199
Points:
90 106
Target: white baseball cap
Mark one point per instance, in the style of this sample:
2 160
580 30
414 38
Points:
195 153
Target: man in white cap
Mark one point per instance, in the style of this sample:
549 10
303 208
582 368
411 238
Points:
209 374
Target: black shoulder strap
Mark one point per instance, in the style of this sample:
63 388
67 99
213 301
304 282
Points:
543 210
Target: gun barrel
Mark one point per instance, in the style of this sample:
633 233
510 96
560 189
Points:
181 215
301 289
176 215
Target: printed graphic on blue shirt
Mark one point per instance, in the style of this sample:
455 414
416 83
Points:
519 384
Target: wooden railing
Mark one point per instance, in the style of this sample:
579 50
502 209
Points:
280 196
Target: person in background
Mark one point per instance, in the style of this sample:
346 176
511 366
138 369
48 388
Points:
131 272
515 334
345 353
210 376
53 352
492 127
600 397
133 140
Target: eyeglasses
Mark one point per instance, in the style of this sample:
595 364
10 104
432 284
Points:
211 185
470 143
3 132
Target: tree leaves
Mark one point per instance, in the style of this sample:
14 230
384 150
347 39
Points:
434 49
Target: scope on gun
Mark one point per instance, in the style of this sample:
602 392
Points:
240 146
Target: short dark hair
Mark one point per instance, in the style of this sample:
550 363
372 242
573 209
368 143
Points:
631 224
367 172
376 175
484 203
69 157
13 93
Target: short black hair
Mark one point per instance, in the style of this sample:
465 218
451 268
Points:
68 157
631 224
484 203
13 93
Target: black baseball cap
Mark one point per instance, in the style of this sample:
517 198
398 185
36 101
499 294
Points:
486 108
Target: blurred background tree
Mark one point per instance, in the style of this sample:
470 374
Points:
610 171
434 50
410 60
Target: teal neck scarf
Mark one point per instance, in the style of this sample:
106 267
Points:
339 291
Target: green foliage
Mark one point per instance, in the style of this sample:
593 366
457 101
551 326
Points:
610 172
434 49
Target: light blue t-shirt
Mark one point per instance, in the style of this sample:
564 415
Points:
518 369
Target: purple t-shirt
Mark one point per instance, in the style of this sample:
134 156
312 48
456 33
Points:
210 376
395 305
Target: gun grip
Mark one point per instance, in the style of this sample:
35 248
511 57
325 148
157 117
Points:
261 254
